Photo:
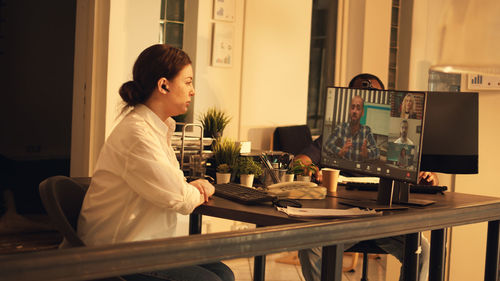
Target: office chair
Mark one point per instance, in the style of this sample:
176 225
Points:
291 139
365 248
62 198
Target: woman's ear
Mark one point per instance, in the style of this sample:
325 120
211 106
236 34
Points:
163 85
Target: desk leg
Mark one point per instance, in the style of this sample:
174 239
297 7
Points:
331 264
437 255
410 261
259 268
491 267
194 224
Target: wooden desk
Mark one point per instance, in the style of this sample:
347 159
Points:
450 209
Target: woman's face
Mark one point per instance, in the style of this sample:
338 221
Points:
181 90
409 103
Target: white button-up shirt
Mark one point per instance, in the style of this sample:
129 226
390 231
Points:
137 187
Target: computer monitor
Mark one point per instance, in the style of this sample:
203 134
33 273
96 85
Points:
375 133
450 143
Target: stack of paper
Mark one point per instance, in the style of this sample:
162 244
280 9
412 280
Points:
327 213
343 179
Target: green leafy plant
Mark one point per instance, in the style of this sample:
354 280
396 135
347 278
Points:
214 121
223 168
299 168
246 166
225 151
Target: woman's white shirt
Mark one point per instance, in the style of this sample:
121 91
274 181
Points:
137 188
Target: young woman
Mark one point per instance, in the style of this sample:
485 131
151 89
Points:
138 188
408 106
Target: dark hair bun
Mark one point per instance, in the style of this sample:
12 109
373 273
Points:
155 62
131 93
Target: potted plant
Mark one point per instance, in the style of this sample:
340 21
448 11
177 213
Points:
247 169
226 154
223 174
302 170
214 121
288 176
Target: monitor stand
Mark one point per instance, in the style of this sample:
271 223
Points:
391 195
384 199
391 191
372 205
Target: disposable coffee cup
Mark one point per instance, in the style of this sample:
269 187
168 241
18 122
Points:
330 179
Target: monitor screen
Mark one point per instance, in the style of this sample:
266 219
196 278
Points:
373 132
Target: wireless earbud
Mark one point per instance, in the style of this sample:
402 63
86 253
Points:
165 88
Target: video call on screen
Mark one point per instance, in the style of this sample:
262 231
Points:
389 140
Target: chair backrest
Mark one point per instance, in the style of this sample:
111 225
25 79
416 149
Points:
62 198
291 139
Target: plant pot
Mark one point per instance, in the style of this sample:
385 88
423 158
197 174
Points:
247 180
288 177
303 178
223 177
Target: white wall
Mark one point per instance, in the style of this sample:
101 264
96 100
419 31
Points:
215 86
133 26
376 41
275 67
465 32
363 41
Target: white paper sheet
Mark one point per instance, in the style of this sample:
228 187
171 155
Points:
327 213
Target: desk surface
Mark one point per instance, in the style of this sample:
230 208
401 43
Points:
450 209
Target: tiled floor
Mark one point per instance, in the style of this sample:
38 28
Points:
275 271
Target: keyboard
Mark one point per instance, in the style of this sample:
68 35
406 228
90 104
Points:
430 189
241 194
414 188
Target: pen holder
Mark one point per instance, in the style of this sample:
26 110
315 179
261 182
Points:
267 178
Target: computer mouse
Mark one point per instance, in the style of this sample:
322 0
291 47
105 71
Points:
283 203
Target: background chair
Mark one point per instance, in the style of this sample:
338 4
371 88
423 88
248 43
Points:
291 139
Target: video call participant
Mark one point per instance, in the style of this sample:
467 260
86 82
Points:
403 134
137 187
351 140
408 106
310 259
403 160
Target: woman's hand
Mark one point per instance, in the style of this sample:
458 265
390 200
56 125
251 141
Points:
205 188
428 178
